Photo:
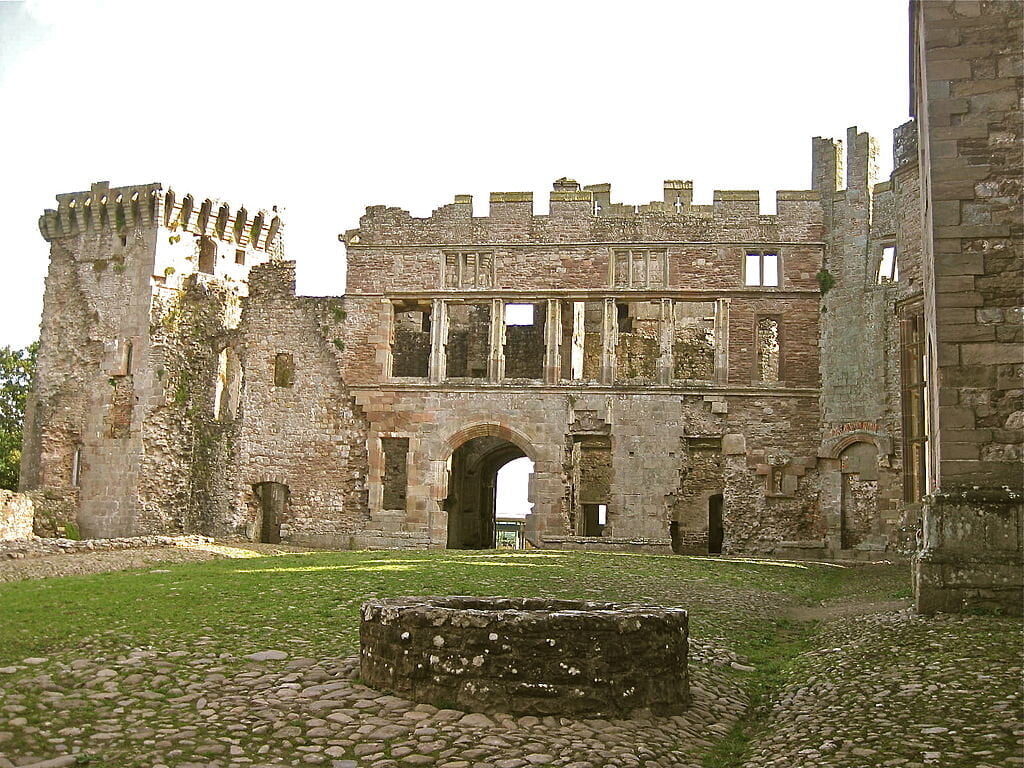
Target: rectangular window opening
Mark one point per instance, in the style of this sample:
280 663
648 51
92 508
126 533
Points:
524 341
468 346
410 339
239 255
395 480
207 254
888 268
761 269
638 347
768 349
693 340
284 369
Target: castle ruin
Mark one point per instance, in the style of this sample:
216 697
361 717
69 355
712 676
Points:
839 379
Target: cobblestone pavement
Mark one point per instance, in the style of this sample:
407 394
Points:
895 689
189 709
880 689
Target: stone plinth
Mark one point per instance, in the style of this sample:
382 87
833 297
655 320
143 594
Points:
528 656
970 557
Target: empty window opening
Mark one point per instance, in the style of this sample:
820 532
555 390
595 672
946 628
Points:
76 467
207 254
519 314
128 358
761 269
229 385
468 348
638 345
396 453
284 369
524 341
124 240
693 340
468 269
410 340
888 269
716 525
239 255
768 349
639 268
273 502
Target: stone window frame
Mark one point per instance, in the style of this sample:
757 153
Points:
652 256
913 401
484 278
761 253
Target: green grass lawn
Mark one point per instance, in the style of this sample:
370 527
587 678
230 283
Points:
251 604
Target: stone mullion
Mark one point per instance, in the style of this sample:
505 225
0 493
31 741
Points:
722 341
496 358
552 342
667 328
438 339
609 337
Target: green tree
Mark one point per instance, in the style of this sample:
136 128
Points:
16 369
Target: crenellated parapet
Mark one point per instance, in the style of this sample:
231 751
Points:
587 213
123 209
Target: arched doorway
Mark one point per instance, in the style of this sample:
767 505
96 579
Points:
472 490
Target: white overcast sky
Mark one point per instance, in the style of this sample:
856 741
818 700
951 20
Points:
327 107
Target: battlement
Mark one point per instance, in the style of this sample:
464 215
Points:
121 209
588 213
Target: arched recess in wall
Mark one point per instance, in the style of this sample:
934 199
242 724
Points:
489 429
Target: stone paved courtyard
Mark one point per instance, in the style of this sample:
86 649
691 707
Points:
878 687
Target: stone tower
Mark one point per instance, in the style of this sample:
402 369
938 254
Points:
136 375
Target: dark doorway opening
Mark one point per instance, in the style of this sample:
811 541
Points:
273 499
677 539
716 527
472 501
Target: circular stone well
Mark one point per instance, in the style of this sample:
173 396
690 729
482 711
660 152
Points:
527 655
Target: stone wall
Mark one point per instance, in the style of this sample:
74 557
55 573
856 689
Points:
528 656
16 513
967 88
305 432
